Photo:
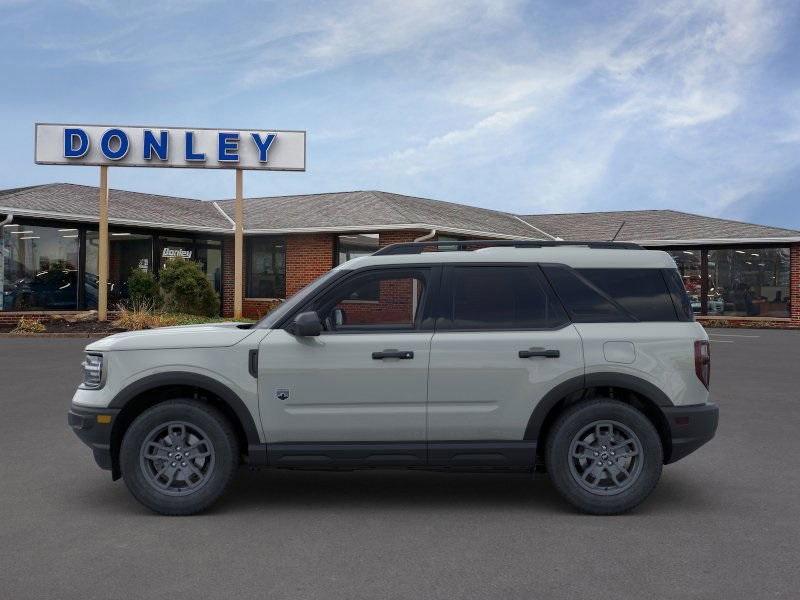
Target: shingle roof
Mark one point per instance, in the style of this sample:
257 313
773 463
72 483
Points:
373 210
80 201
651 225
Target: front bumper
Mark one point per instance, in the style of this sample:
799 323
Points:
93 426
690 427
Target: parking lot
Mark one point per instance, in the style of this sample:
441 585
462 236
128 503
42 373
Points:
723 523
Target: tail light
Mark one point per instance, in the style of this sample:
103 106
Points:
702 361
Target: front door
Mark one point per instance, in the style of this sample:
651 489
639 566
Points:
502 342
359 390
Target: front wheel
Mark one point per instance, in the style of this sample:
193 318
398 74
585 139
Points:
178 457
604 456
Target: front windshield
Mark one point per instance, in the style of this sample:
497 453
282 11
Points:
280 311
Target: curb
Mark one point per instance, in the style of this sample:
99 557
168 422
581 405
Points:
52 335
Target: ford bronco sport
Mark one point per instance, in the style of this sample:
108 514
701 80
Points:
582 359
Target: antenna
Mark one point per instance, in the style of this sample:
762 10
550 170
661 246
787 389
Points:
618 230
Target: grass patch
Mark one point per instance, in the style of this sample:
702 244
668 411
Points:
143 316
26 325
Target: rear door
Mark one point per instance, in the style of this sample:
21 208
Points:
502 342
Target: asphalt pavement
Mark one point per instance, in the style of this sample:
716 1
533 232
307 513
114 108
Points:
723 523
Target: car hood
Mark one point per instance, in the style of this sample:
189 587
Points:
215 335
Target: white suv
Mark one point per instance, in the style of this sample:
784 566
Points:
581 359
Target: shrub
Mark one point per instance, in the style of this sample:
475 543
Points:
26 325
143 289
186 290
141 316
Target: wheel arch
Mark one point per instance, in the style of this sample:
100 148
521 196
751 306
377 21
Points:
630 389
154 389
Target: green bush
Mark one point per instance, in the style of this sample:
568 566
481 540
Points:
143 289
186 289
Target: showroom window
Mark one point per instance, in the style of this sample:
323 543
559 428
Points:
39 267
266 267
749 282
209 255
128 251
355 245
737 281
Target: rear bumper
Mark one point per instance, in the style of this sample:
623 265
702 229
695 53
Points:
93 432
690 427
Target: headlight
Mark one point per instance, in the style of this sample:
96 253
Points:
93 371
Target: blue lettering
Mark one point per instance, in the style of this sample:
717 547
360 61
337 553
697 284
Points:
122 144
159 146
190 153
263 145
70 137
228 147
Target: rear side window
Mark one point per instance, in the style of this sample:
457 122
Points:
683 306
501 298
585 302
642 292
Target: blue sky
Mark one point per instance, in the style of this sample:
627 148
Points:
521 106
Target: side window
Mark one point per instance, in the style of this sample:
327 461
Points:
683 306
583 301
501 298
383 301
643 292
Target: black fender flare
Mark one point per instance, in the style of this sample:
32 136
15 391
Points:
187 378
581 382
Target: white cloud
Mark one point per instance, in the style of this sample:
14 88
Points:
476 143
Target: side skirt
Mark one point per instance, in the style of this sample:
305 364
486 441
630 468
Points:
467 455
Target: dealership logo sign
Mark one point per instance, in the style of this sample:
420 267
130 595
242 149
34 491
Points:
170 147
176 253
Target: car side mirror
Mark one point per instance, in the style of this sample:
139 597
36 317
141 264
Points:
307 324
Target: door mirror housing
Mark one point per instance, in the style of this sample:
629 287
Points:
307 324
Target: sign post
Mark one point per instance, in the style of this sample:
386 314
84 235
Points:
103 253
175 147
238 244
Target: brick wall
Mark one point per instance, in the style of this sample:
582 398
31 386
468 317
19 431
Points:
227 277
794 283
255 309
307 257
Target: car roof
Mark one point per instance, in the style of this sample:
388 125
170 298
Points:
573 256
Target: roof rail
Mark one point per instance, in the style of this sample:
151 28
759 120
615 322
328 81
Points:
418 247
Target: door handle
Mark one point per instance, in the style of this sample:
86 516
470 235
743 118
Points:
401 354
546 353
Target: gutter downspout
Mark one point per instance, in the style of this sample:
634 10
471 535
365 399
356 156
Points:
427 236
8 219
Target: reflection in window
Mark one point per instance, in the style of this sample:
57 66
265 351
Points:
395 305
39 268
355 245
266 267
749 282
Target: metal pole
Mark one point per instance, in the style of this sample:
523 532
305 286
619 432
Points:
238 255
102 258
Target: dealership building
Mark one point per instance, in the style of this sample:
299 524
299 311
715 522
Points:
739 273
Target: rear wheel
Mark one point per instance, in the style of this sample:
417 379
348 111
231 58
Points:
178 457
604 456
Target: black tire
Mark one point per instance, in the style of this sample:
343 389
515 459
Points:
211 474
593 486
